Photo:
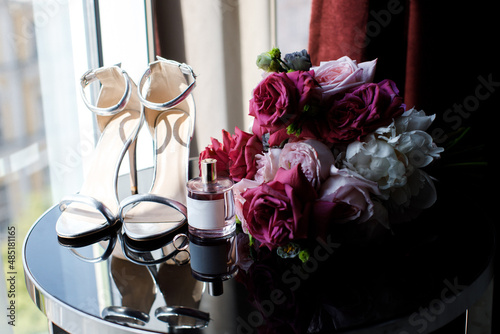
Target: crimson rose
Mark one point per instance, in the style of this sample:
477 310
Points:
244 147
220 152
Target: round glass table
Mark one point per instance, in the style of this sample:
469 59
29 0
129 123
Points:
415 280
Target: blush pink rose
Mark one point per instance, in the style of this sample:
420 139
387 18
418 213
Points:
238 189
349 196
314 157
278 212
344 73
267 165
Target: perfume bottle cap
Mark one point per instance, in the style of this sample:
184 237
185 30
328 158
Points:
209 170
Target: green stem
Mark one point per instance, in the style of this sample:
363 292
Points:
455 141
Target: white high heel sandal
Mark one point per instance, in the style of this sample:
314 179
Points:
170 114
119 116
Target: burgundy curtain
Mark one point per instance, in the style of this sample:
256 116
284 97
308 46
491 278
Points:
436 51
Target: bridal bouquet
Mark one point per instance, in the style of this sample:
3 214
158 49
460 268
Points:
328 146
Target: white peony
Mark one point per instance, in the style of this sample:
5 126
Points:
407 135
418 147
412 120
377 161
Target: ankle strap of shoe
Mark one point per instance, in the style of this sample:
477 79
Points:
185 69
89 77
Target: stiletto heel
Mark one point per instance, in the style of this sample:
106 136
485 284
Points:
171 123
119 117
133 168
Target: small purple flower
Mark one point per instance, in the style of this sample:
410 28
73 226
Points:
298 61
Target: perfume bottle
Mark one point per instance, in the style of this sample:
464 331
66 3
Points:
210 203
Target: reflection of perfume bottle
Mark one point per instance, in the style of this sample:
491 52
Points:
213 261
210 203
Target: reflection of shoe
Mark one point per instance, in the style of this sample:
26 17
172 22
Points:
119 117
137 289
182 294
169 112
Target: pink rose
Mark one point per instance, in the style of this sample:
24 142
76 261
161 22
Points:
267 165
348 196
344 73
244 148
238 189
220 152
362 111
278 212
315 159
279 99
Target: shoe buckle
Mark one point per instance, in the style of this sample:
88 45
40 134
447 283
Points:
87 78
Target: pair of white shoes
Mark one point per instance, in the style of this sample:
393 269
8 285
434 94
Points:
167 107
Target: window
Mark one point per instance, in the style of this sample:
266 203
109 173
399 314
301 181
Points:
46 134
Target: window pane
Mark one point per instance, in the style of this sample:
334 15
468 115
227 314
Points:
24 181
292 24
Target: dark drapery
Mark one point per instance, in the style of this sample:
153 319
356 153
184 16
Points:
444 57
436 51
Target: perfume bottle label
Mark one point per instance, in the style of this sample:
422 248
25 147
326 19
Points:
206 215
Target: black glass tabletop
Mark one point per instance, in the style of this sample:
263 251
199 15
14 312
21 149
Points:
414 280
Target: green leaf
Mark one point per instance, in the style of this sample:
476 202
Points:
293 129
304 255
251 240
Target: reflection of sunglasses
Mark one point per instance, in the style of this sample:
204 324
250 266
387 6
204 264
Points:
177 317
85 244
174 248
